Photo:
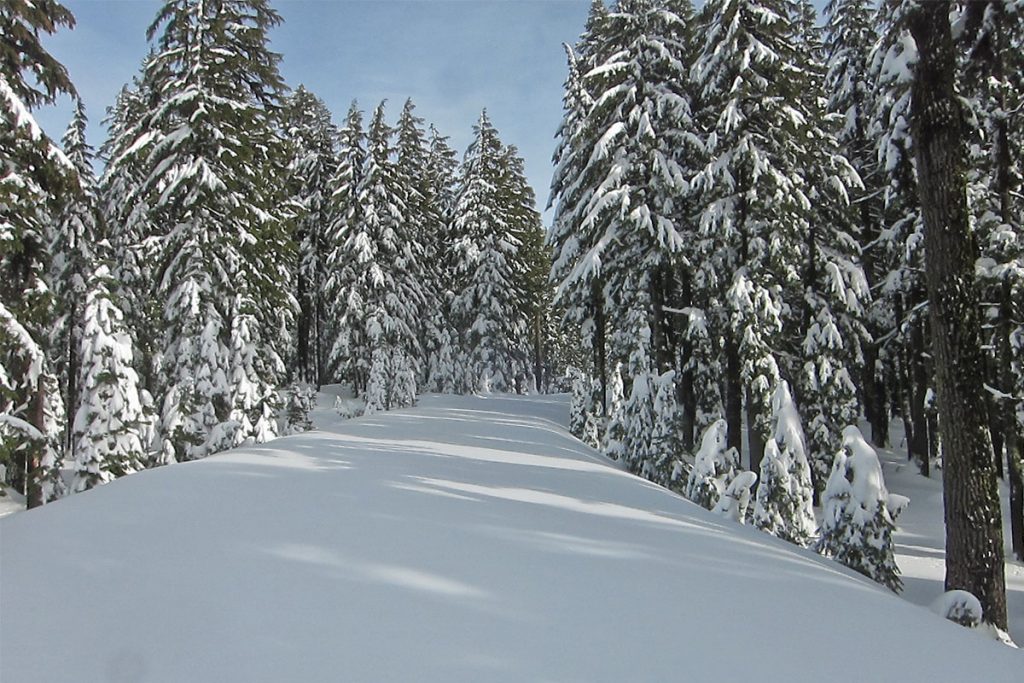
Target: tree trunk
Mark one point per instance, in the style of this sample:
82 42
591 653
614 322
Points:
34 456
974 543
1010 426
918 393
600 352
755 439
733 395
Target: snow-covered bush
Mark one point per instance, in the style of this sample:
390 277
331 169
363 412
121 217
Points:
784 506
960 607
735 500
714 467
578 403
856 526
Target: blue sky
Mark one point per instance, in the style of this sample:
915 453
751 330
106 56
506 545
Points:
453 57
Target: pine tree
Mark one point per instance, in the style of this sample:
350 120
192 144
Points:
992 80
35 176
856 526
424 226
383 293
210 150
441 345
313 138
785 492
753 192
488 305
347 355
851 35
110 417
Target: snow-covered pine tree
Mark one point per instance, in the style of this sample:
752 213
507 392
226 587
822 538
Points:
532 261
735 500
384 294
851 34
488 303
129 228
347 344
72 245
856 527
110 417
424 227
35 176
441 350
834 288
784 506
313 138
211 149
621 174
580 391
901 302
752 193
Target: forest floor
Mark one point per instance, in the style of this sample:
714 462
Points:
466 539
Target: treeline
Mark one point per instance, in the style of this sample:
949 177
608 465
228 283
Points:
738 208
237 249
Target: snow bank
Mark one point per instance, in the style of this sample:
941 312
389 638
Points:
469 539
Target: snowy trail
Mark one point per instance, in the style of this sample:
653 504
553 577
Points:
468 539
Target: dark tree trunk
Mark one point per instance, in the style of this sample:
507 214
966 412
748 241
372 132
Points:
918 393
876 400
1010 428
686 394
733 395
600 352
974 543
71 406
538 350
34 447
304 325
755 439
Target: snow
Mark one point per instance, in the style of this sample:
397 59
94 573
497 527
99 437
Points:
467 539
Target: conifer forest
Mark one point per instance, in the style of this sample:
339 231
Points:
779 237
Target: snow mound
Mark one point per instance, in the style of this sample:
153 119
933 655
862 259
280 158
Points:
467 539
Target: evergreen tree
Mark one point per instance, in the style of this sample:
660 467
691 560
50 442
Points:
35 175
313 138
73 246
850 87
210 149
441 344
347 356
110 417
753 192
489 295
384 293
856 526
785 492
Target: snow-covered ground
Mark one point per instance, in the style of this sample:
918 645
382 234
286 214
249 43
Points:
468 539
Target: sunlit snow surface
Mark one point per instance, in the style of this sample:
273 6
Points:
468 539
